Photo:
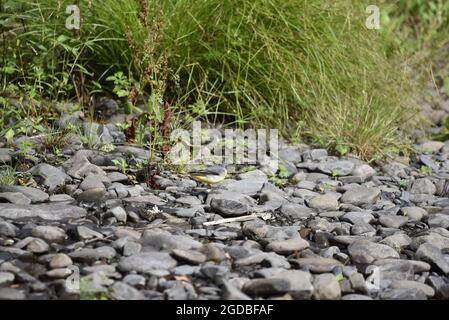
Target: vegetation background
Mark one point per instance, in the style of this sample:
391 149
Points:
307 67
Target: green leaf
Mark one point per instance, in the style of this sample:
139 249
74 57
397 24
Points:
121 93
342 149
9 135
128 107
9 69
339 277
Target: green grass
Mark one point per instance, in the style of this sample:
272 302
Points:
307 67
7 176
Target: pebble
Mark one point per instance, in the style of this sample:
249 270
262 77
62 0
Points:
64 198
438 221
123 291
229 208
130 248
135 280
147 261
60 260
50 234
358 217
288 246
414 213
34 194
429 253
15 198
8 229
53 177
363 251
266 287
423 186
119 213
390 221
326 287
189 256
230 292
360 196
407 284
325 202
6 278
402 294
85 233
43 211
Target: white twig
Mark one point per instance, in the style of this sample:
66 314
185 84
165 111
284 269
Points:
264 216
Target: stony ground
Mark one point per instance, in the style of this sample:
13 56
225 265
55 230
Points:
344 229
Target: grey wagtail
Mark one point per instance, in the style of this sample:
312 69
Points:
210 175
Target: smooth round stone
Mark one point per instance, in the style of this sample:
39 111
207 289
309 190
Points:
148 261
431 146
438 221
213 252
92 181
15 198
85 233
408 284
92 195
6 278
318 264
423 186
358 217
326 287
135 280
131 248
391 221
414 213
364 251
337 168
266 287
332 214
119 213
123 291
402 294
38 246
61 198
358 282
189 256
296 211
60 260
363 228
49 233
363 171
117 177
288 246
58 273
397 241
360 196
325 202
106 252
8 229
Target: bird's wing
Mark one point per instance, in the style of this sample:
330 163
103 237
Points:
213 170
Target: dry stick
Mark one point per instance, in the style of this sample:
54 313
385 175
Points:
253 216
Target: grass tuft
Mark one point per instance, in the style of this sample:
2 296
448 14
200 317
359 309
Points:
307 67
